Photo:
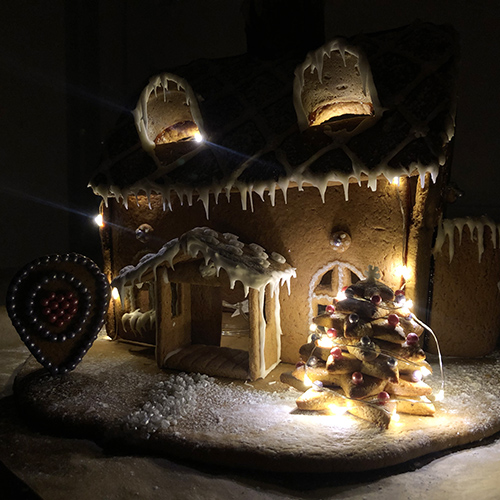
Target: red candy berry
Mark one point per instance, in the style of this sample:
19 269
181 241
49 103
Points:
330 309
412 339
376 299
336 352
59 308
399 292
393 319
357 378
383 397
331 333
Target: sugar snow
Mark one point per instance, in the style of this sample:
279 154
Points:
201 402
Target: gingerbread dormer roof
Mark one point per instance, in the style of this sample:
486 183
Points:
260 131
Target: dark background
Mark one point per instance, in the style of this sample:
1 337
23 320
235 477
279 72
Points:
68 69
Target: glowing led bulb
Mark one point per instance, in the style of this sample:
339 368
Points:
337 410
395 181
198 137
114 293
325 342
439 396
98 219
403 271
312 327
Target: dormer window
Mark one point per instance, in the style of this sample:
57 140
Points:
167 112
334 83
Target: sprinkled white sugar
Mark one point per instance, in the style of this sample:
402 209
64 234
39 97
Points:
203 404
173 402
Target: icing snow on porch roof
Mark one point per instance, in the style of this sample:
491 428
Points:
252 138
248 263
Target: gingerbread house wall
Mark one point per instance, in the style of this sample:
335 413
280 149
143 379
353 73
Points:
465 312
300 230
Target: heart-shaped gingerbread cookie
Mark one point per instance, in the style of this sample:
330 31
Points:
57 304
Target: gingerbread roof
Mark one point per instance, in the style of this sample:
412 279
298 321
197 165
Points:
253 142
248 263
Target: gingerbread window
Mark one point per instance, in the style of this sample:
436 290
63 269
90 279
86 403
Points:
328 282
334 83
167 112
138 323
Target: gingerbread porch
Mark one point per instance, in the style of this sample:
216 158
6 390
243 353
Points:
191 276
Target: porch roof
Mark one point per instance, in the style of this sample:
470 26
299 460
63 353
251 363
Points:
248 263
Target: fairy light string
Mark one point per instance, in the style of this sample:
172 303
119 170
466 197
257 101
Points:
318 335
440 395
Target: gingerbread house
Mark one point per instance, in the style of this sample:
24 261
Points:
329 163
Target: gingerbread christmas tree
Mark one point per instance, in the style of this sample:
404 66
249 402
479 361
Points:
364 356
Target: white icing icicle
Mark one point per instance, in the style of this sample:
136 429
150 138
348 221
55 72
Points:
446 229
204 197
372 182
262 334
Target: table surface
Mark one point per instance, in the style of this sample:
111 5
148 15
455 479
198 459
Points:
52 467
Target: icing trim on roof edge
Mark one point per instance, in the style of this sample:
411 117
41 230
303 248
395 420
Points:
247 263
294 161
